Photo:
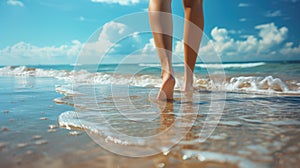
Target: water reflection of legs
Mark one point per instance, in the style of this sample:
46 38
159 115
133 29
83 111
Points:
167 116
178 120
184 118
188 106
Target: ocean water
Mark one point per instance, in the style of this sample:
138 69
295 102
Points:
258 126
267 77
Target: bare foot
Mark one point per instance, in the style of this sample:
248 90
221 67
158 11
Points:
167 88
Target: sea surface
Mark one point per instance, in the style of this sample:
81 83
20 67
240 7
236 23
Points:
240 115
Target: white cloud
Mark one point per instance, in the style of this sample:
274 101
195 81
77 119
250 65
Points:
270 35
112 30
242 19
135 35
266 43
147 54
223 43
90 52
275 13
103 43
120 2
178 50
25 53
243 5
288 49
269 41
149 47
220 35
15 3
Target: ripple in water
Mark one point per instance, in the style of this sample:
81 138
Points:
252 130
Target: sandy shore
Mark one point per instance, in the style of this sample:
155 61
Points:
254 131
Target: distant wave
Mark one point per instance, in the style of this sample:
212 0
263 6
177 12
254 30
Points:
158 65
267 84
233 65
75 64
214 66
150 65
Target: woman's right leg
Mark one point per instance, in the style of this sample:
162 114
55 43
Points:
161 25
192 37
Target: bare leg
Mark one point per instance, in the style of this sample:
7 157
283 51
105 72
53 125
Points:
161 25
192 37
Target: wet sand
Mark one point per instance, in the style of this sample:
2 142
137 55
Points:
255 131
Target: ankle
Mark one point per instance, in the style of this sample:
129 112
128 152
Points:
166 74
188 88
188 85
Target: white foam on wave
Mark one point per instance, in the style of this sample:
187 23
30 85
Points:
37 72
233 65
84 76
73 120
260 84
158 65
252 84
150 65
206 156
139 80
214 65
66 90
257 84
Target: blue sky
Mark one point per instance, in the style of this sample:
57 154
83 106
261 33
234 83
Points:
53 31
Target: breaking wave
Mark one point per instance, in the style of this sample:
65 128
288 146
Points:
215 66
261 84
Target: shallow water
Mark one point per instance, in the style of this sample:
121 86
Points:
259 126
254 129
266 78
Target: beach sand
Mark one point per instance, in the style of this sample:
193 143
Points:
255 130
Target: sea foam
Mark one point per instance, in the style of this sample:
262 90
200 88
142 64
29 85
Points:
261 84
214 65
